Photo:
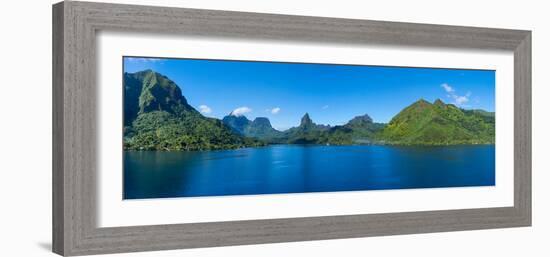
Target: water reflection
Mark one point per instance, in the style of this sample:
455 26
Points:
297 169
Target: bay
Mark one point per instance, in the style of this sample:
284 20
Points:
305 168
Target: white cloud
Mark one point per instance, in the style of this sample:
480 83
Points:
275 110
241 111
205 109
459 100
324 107
281 128
447 88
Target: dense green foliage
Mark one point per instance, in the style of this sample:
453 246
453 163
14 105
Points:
259 128
359 130
158 117
423 123
148 91
162 120
160 130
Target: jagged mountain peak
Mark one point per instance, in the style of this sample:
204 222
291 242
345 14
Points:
146 91
264 121
260 127
237 123
361 119
158 117
306 120
421 102
438 102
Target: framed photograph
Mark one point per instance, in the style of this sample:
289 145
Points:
183 128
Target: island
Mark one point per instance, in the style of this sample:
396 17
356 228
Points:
158 117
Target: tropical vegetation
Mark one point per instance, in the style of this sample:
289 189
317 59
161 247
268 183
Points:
158 117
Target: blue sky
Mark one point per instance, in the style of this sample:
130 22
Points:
330 93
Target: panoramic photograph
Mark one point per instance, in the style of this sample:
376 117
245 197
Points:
198 127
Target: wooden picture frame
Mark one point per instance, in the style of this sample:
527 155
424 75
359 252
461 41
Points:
75 25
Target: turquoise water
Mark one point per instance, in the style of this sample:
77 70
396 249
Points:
300 169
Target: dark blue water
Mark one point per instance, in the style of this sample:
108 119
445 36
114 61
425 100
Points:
299 169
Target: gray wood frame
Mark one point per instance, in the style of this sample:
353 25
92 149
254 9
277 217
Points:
75 25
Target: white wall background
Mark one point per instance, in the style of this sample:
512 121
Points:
25 127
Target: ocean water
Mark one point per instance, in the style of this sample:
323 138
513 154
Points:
303 168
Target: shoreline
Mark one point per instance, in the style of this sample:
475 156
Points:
313 145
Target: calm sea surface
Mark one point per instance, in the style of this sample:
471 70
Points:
298 169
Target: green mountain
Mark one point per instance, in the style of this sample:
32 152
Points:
259 128
148 91
306 133
359 130
424 123
158 117
238 123
364 128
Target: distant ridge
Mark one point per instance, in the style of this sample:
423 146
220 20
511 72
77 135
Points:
259 128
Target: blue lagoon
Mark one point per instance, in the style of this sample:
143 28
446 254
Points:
298 169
